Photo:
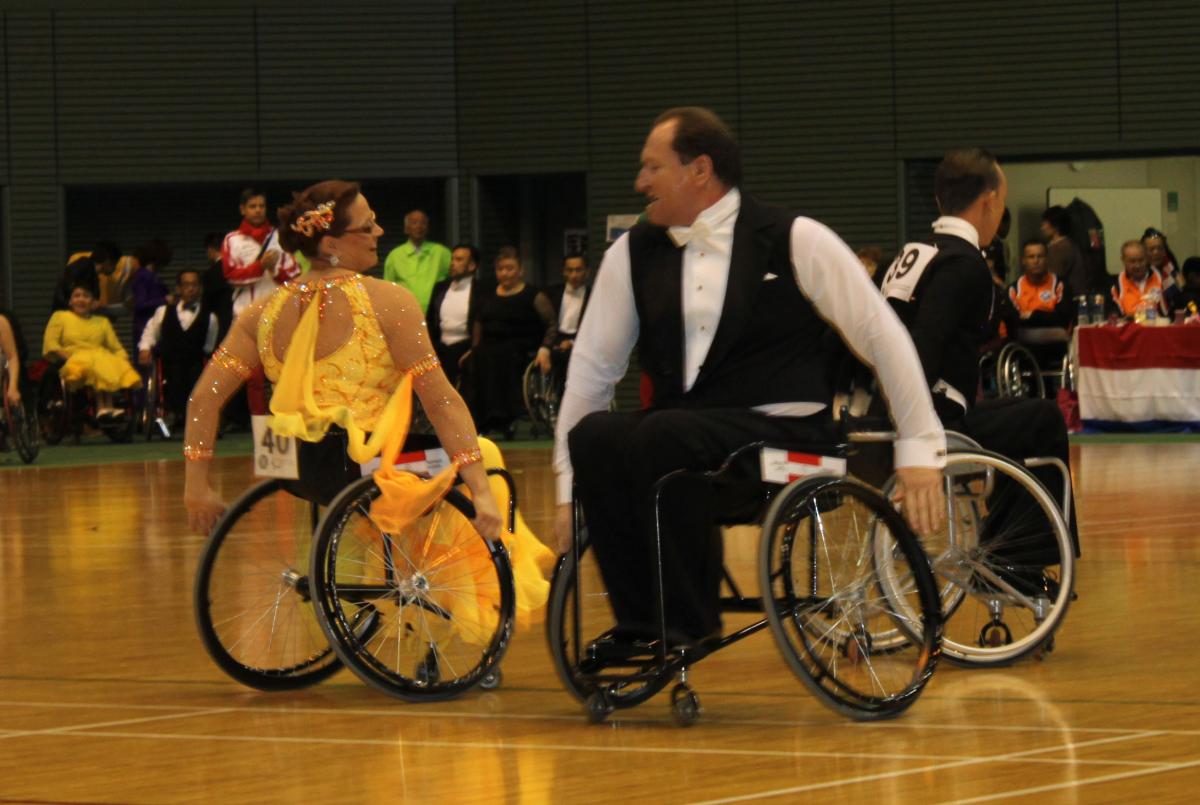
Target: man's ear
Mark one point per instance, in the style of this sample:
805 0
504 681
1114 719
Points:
702 168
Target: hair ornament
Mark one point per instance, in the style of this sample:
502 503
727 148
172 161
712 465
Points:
320 218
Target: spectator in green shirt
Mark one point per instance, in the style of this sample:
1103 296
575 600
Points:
418 264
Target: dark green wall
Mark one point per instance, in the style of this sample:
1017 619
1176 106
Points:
830 99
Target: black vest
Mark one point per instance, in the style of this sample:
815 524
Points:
767 348
177 343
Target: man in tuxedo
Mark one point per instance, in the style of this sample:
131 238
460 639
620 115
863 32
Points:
942 290
726 300
184 334
570 301
452 311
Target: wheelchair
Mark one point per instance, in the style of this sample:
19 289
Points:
1004 560
151 419
824 596
542 394
64 412
296 580
1017 370
20 423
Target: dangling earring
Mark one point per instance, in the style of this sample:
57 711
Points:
333 260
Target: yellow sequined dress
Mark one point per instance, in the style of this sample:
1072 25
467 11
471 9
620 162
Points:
359 388
95 356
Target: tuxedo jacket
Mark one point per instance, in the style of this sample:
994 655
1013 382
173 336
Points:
555 295
433 316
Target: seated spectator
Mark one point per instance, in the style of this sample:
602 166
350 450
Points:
1138 286
184 335
79 270
1189 294
149 291
88 347
1039 297
452 311
1160 257
569 299
218 293
1063 256
114 273
513 322
14 353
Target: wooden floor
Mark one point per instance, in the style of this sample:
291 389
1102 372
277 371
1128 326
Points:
106 694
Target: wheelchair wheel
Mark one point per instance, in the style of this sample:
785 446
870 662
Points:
541 397
152 405
826 599
441 596
1017 373
23 429
253 603
577 612
1004 561
53 409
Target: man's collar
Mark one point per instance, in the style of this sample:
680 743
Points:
414 248
959 228
713 219
458 282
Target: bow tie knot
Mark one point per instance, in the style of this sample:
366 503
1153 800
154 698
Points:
683 235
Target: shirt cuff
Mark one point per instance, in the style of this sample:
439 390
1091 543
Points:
563 485
921 452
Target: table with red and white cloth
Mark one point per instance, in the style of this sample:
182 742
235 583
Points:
1138 376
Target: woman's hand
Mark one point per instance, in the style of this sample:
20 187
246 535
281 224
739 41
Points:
204 508
13 394
487 517
543 360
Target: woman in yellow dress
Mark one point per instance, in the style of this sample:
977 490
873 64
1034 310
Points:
346 351
90 350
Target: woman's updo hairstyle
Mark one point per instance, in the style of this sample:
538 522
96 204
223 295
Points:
301 223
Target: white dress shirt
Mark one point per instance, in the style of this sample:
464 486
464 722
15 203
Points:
570 311
828 274
456 305
153 329
950 225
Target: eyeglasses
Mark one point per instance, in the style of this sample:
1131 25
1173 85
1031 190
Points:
365 229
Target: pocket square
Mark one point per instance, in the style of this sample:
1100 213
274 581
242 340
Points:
769 276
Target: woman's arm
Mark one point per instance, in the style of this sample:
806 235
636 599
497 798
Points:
52 341
545 309
8 345
408 341
234 361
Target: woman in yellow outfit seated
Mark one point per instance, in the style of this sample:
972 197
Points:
90 350
347 351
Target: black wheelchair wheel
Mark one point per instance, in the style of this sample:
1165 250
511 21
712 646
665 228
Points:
441 596
23 430
54 415
121 429
576 613
540 392
151 411
826 599
252 600
1017 373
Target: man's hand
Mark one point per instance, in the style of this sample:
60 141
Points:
268 262
144 357
543 360
564 527
565 344
919 489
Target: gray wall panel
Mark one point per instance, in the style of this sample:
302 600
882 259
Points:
1160 73
157 93
358 95
522 86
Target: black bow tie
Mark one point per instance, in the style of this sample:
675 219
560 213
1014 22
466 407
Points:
192 308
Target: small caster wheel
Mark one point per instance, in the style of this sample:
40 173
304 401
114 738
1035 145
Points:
492 679
995 634
598 707
1045 648
685 705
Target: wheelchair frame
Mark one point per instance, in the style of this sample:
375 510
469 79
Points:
602 690
20 423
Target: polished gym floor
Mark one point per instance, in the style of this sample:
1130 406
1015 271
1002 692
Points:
107 696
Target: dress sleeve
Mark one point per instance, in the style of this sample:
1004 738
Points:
52 340
545 310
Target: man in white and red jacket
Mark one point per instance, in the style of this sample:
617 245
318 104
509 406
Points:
255 265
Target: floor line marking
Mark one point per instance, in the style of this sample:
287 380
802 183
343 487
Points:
1164 768
866 778
69 729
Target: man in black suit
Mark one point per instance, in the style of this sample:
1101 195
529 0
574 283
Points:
452 311
726 300
570 301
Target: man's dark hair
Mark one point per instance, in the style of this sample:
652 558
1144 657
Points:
249 193
575 256
1058 218
962 176
182 271
105 251
476 258
1032 242
1191 266
700 131
214 240
153 252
